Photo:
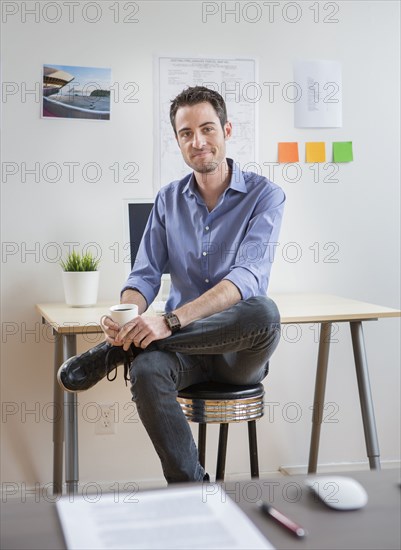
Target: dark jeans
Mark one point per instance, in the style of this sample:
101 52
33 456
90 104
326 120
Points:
233 346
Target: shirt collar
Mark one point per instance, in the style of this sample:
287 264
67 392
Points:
237 182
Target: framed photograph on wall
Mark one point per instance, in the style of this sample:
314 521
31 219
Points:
76 92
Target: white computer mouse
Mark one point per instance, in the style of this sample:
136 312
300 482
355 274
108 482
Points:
339 492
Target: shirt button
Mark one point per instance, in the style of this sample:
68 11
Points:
204 253
206 280
207 228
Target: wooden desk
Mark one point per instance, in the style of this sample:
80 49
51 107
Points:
34 524
324 309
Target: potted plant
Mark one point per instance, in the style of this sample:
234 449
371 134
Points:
80 279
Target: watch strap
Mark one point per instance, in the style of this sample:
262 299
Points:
172 321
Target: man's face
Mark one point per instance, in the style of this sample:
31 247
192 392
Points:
201 137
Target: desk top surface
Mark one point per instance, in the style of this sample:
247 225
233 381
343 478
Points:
294 308
34 525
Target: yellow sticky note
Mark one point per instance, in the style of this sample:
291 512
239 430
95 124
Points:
288 152
315 151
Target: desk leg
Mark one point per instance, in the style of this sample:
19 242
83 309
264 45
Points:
58 426
365 395
320 387
71 424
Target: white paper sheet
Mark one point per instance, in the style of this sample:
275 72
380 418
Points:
234 78
318 98
187 518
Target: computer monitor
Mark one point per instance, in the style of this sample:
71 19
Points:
136 214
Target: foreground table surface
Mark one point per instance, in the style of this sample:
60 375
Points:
35 525
376 526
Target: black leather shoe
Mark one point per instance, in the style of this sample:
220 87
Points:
82 372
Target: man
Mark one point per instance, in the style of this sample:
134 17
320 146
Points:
216 230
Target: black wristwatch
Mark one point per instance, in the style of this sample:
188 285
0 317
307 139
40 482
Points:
172 321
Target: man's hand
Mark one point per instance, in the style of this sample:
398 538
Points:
110 329
141 331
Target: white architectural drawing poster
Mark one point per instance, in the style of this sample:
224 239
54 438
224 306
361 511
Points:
234 78
319 94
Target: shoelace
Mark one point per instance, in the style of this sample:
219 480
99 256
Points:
120 356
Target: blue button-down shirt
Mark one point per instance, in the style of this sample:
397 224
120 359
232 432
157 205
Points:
235 241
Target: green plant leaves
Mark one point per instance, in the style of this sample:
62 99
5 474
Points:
79 262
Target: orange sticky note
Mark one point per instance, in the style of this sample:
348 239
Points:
288 151
315 151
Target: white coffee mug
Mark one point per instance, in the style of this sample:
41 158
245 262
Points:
122 313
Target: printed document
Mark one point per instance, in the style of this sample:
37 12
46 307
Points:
185 518
318 94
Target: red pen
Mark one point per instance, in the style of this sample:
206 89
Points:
268 510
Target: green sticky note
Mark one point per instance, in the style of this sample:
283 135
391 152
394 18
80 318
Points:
342 151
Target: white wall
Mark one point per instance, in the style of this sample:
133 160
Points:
360 213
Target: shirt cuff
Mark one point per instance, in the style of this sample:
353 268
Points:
244 280
143 288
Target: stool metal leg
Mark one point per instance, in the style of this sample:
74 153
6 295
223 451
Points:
221 454
253 449
202 444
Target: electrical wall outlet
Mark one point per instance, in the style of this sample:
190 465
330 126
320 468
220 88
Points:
105 424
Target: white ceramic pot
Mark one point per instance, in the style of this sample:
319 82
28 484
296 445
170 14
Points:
81 288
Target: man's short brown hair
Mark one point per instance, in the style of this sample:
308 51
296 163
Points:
199 94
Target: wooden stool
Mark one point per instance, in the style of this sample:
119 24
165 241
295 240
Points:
213 402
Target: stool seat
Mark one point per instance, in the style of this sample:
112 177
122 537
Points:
216 402
219 403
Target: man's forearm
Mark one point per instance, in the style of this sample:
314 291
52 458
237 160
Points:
220 297
131 296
